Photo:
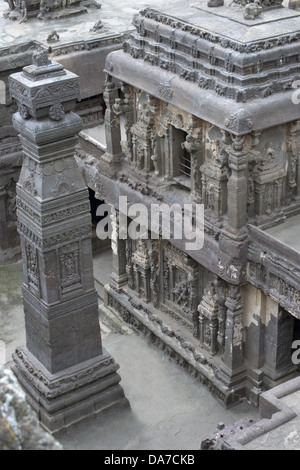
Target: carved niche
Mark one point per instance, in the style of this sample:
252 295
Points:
70 269
180 287
268 184
142 268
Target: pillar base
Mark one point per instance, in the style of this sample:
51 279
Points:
110 164
72 395
235 383
234 243
119 281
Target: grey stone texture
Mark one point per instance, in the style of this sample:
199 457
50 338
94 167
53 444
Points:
64 369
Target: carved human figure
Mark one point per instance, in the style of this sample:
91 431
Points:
180 292
23 13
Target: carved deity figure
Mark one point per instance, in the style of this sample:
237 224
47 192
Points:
69 266
180 292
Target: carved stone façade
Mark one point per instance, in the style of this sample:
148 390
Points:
200 121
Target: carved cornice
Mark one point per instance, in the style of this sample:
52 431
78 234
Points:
252 72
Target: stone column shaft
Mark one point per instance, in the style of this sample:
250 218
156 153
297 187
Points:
63 368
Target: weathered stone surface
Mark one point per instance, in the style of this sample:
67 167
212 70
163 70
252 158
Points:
19 425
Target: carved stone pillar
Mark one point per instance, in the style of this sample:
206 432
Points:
237 186
212 316
124 107
232 369
111 160
208 319
234 235
214 183
119 274
142 269
195 148
129 266
63 368
154 279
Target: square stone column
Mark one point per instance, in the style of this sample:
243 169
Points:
63 368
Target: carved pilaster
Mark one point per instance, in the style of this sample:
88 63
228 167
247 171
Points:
233 238
232 370
142 269
208 319
214 182
237 186
154 265
110 161
129 266
195 148
119 274
212 315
